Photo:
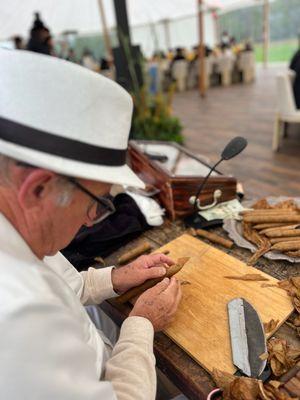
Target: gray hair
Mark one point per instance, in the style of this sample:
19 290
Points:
65 187
4 169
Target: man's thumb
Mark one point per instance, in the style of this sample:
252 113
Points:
161 286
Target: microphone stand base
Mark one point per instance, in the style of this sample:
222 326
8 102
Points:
196 221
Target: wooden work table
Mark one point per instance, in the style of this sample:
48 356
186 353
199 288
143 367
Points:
178 366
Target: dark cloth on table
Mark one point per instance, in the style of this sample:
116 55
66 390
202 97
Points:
102 239
295 66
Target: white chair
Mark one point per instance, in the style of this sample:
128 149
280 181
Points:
179 73
287 111
225 66
246 64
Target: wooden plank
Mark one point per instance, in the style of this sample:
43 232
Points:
201 323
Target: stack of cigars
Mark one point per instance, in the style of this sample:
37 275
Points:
273 228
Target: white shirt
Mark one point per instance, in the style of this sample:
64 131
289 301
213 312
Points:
49 348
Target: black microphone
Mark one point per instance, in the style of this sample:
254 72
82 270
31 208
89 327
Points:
232 149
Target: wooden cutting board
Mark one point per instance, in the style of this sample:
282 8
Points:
201 324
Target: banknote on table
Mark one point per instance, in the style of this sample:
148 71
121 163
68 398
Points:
227 210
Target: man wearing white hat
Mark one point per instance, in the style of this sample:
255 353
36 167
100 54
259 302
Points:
63 141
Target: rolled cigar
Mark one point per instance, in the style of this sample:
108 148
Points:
284 239
294 254
214 238
267 226
136 291
269 230
287 246
143 248
277 233
256 219
268 212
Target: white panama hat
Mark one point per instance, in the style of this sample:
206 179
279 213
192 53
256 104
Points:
60 116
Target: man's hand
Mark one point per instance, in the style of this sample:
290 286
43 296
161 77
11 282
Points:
140 270
159 304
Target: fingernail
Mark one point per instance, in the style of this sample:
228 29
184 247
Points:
162 271
166 280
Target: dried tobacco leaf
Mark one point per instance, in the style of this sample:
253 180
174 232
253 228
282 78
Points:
264 356
259 253
288 286
236 388
287 205
261 204
296 321
247 388
248 277
296 281
271 391
262 243
292 286
271 325
282 357
266 285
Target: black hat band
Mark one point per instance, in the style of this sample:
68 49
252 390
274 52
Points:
49 143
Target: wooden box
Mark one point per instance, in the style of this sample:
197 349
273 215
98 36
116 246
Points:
177 173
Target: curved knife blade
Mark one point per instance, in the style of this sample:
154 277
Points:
248 340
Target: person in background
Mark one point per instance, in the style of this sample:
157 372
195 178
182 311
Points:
295 66
19 43
88 61
40 39
71 56
179 55
225 39
104 64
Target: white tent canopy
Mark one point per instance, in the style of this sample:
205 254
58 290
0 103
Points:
16 16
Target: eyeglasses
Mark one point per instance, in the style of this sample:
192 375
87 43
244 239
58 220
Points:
101 208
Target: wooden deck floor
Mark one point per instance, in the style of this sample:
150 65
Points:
249 111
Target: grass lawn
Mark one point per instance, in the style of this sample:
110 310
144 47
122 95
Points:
279 51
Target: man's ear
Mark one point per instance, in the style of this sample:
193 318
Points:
35 187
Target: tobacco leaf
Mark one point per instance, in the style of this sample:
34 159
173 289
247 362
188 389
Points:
236 388
271 325
295 280
293 254
262 243
292 286
241 388
266 285
248 277
264 356
261 204
296 321
282 356
287 205
271 391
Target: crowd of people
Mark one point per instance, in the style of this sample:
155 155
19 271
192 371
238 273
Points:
182 64
179 65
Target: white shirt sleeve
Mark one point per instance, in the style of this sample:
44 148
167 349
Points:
131 369
92 286
45 355
97 286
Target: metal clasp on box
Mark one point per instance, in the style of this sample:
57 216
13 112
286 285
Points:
217 195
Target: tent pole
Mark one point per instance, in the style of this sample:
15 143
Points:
166 23
266 32
106 34
201 49
216 18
